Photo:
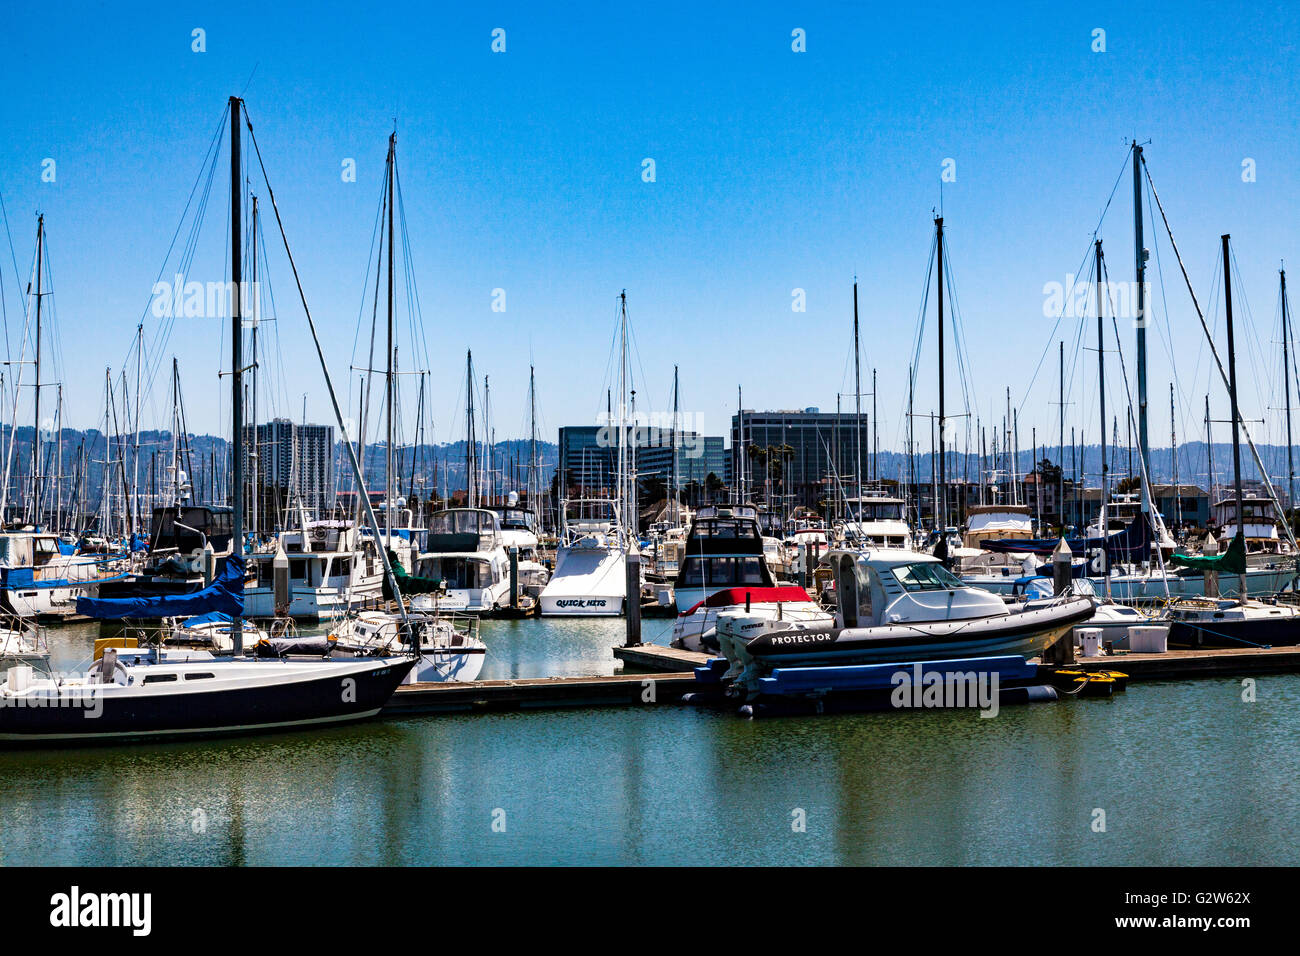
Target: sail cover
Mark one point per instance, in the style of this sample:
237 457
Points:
1232 561
408 583
225 594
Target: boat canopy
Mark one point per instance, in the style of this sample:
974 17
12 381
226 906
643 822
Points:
224 594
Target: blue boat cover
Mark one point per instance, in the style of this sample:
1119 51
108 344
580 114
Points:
225 595
1132 543
212 617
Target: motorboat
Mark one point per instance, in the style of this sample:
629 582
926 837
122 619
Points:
877 521
724 550
466 548
332 566
42 575
590 577
696 628
895 605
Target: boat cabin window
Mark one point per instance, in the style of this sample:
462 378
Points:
459 573
725 528
199 676
159 678
723 572
926 576
853 593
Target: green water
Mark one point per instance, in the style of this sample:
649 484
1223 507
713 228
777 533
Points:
1186 772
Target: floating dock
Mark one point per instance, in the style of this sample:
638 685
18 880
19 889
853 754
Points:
1171 665
668 675
541 693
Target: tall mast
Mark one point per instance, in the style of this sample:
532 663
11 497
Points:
471 447
1173 449
875 432
942 486
1140 259
911 443
1060 447
1286 376
1209 449
36 431
534 484
676 442
857 399
255 450
1232 390
1101 395
621 478
390 378
236 361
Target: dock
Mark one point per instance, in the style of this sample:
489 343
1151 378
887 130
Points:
1171 665
660 659
484 696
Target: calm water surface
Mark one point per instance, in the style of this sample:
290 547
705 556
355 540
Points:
1185 771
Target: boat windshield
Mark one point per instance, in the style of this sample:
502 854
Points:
926 576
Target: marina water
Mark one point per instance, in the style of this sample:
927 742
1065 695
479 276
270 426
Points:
1185 772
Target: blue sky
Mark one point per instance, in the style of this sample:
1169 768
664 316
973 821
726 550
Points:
775 170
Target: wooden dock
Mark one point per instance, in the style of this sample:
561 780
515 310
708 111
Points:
1181 664
1171 665
657 658
669 674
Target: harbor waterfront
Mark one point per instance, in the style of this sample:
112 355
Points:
672 784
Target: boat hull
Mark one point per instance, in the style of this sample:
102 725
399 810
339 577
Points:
1025 633
328 692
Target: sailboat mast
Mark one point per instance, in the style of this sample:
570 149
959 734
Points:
1101 396
36 418
471 450
1140 259
1286 377
943 485
1060 447
236 362
621 478
857 400
390 380
1173 451
1232 390
255 450
676 443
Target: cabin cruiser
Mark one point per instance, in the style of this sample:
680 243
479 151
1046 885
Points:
724 549
41 575
1259 526
896 606
590 578
877 521
331 566
466 548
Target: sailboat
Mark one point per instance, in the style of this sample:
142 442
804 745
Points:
1241 622
164 693
595 533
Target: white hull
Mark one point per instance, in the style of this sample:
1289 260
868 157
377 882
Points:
588 582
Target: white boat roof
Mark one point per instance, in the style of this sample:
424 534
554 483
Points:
883 557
